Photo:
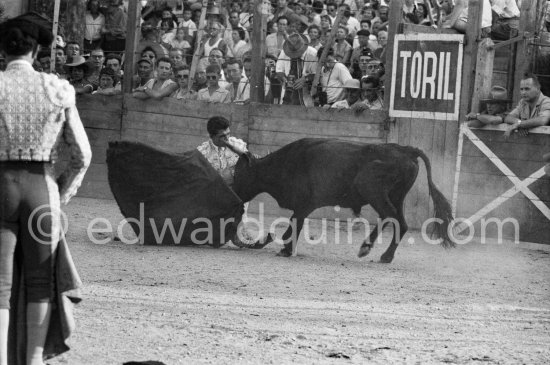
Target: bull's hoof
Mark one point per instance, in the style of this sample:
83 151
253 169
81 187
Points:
262 243
364 250
386 259
284 253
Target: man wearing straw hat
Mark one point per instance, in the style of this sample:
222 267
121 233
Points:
296 68
496 107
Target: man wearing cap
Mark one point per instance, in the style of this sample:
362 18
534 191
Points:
144 73
334 76
363 37
533 109
296 67
495 112
352 93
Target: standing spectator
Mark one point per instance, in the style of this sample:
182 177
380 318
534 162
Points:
213 39
380 52
363 37
239 87
333 77
506 22
168 22
274 41
352 94
200 81
326 26
161 86
533 109
296 67
187 23
342 49
495 111
144 73
182 77
317 10
95 21
370 87
217 58
214 93
181 42
114 31
38 115
233 24
350 22
331 12
77 71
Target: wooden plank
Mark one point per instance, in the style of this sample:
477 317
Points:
100 119
199 44
319 114
259 50
506 151
396 11
502 127
55 24
167 141
527 28
106 103
283 138
133 35
482 165
438 156
416 28
313 127
483 73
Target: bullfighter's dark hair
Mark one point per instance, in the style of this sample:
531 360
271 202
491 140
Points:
216 124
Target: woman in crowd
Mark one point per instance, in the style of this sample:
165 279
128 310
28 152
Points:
314 34
37 112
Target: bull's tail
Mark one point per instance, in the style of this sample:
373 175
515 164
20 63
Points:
442 208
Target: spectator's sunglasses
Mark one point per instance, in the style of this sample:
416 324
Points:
211 77
178 76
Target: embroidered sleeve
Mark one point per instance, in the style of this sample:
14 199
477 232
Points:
80 152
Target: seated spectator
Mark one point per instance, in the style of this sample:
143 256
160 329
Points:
239 87
533 110
109 83
422 15
113 62
495 111
314 34
177 57
77 71
505 19
458 19
342 49
296 67
60 61
180 41
371 99
159 87
409 12
45 61
144 73
216 57
239 45
352 94
214 93
333 77
274 42
182 77
72 50
200 78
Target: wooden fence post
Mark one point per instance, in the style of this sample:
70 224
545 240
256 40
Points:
132 36
396 7
259 48
75 22
483 72
527 28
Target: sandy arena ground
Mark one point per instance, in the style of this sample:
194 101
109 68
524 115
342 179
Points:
478 303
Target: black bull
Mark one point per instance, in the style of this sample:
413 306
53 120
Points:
312 173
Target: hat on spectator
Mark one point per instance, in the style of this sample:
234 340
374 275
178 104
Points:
145 60
78 61
352 84
295 45
498 94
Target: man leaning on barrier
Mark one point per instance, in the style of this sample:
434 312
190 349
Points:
533 109
495 112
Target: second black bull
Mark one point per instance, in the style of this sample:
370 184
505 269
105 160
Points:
312 173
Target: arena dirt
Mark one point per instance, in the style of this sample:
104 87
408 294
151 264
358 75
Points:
478 303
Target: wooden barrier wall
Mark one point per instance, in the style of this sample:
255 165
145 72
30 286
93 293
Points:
481 181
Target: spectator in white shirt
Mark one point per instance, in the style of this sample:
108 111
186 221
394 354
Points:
333 77
94 23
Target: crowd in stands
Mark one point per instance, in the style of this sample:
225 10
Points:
352 74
